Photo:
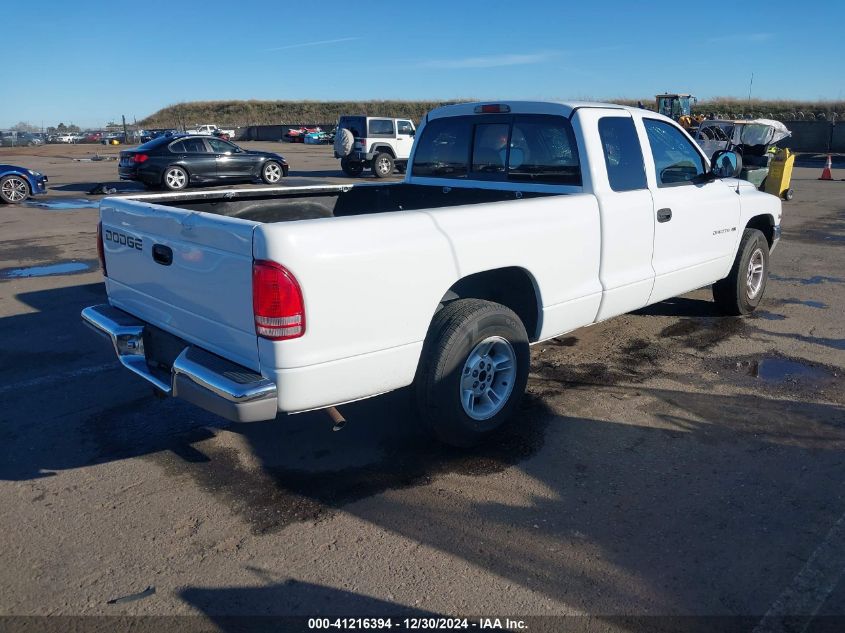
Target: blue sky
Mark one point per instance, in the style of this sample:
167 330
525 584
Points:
87 62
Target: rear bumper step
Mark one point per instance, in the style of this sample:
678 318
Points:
204 379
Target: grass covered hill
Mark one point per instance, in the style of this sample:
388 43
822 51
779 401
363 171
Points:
243 113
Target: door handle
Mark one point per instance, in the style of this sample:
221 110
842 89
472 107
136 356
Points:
664 215
162 254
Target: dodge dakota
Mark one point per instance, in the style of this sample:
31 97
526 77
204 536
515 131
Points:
516 222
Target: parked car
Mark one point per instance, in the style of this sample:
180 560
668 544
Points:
19 183
517 222
67 137
375 143
174 162
20 139
210 129
297 135
148 135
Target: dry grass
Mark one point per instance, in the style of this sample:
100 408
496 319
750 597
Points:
243 113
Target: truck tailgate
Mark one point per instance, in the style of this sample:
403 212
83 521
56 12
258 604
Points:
188 273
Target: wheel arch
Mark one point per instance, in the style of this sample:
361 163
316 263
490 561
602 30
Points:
176 164
512 286
765 223
26 178
383 148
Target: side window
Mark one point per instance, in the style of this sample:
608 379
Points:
381 127
490 147
543 150
623 156
220 147
404 127
443 149
676 161
178 148
195 146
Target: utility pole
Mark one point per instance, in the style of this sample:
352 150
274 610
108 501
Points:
750 84
125 133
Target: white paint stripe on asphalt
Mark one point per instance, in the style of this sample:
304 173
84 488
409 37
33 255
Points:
46 380
802 599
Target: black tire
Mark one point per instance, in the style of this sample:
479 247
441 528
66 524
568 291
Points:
456 331
788 194
351 168
382 165
14 189
401 167
171 180
735 294
272 172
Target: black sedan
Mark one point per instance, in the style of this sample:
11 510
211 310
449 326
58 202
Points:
174 162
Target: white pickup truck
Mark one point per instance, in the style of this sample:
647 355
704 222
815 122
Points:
210 129
516 222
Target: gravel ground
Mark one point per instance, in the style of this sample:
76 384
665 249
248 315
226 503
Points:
669 462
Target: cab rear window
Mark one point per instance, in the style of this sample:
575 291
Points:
517 148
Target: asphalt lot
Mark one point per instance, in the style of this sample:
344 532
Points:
670 462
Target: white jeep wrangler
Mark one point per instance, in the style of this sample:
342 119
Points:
377 143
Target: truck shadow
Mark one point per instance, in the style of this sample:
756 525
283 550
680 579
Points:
693 513
260 608
693 501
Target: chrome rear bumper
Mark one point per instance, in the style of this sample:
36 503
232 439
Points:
204 379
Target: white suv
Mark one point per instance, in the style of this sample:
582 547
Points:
377 143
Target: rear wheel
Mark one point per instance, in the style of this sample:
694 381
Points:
175 178
272 172
13 189
742 290
382 165
351 168
473 371
788 194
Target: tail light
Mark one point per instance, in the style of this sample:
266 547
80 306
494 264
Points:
101 254
139 158
276 302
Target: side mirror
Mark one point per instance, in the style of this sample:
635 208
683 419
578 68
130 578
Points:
726 164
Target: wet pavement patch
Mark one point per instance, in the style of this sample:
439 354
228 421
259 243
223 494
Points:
802 302
775 369
703 333
808 281
63 268
766 315
294 468
566 341
65 204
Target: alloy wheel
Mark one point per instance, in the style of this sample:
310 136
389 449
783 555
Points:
487 378
15 189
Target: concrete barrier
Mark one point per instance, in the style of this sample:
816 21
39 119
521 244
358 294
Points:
276 132
807 136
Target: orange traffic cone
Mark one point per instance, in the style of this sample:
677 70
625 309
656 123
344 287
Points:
826 171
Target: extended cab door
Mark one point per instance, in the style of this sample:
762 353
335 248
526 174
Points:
617 174
696 218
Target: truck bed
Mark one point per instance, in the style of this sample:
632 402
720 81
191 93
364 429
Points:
286 204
